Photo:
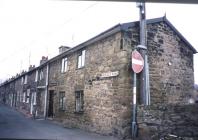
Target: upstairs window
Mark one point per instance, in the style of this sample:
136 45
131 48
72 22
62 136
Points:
36 76
62 101
22 80
79 99
41 75
64 65
25 81
81 59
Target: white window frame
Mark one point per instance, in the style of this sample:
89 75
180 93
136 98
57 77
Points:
22 80
41 75
34 98
36 76
24 97
64 65
79 101
25 81
62 100
81 59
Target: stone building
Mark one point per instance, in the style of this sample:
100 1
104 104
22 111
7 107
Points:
89 86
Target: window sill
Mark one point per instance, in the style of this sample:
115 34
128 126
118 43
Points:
80 68
63 72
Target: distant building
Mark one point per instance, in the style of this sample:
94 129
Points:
90 86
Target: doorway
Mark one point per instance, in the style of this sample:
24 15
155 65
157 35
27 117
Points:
51 104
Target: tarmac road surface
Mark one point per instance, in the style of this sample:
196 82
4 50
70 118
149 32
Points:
14 125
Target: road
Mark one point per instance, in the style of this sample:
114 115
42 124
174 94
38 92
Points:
14 125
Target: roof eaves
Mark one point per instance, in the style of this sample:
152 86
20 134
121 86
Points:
126 26
98 37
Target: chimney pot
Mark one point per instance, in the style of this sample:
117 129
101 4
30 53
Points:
63 49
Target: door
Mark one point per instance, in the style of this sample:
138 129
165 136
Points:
51 104
32 103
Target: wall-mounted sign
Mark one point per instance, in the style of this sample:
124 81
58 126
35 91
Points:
110 74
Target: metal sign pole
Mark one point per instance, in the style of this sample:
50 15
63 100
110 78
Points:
134 124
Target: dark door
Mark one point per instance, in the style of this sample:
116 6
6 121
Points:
51 103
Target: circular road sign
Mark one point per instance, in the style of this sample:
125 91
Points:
137 62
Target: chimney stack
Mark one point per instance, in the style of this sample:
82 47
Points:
31 67
43 60
63 49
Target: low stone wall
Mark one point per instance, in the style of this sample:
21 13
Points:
157 121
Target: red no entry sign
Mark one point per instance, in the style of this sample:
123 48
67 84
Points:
137 62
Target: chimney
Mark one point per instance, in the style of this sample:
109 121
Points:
63 49
43 60
31 67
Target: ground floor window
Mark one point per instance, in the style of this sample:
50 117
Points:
18 96
34 98
62 101
79 95
24 96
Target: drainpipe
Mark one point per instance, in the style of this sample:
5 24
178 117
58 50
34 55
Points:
144 75
46 91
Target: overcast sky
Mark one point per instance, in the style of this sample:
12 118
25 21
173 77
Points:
30 29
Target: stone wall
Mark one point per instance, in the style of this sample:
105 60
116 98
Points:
170 63
155 121
106 100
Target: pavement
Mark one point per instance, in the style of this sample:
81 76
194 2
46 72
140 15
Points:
14 125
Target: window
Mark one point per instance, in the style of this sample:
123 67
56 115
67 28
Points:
81 59
25 81
36 76
28 96
24 96
62 100
34 98
22 80
79 100
41 75
18 96
64 65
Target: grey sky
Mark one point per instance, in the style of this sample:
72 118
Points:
30 29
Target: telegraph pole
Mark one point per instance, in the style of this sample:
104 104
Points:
144 75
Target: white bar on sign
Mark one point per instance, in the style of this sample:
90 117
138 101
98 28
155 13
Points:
134 89
134 98
137 62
